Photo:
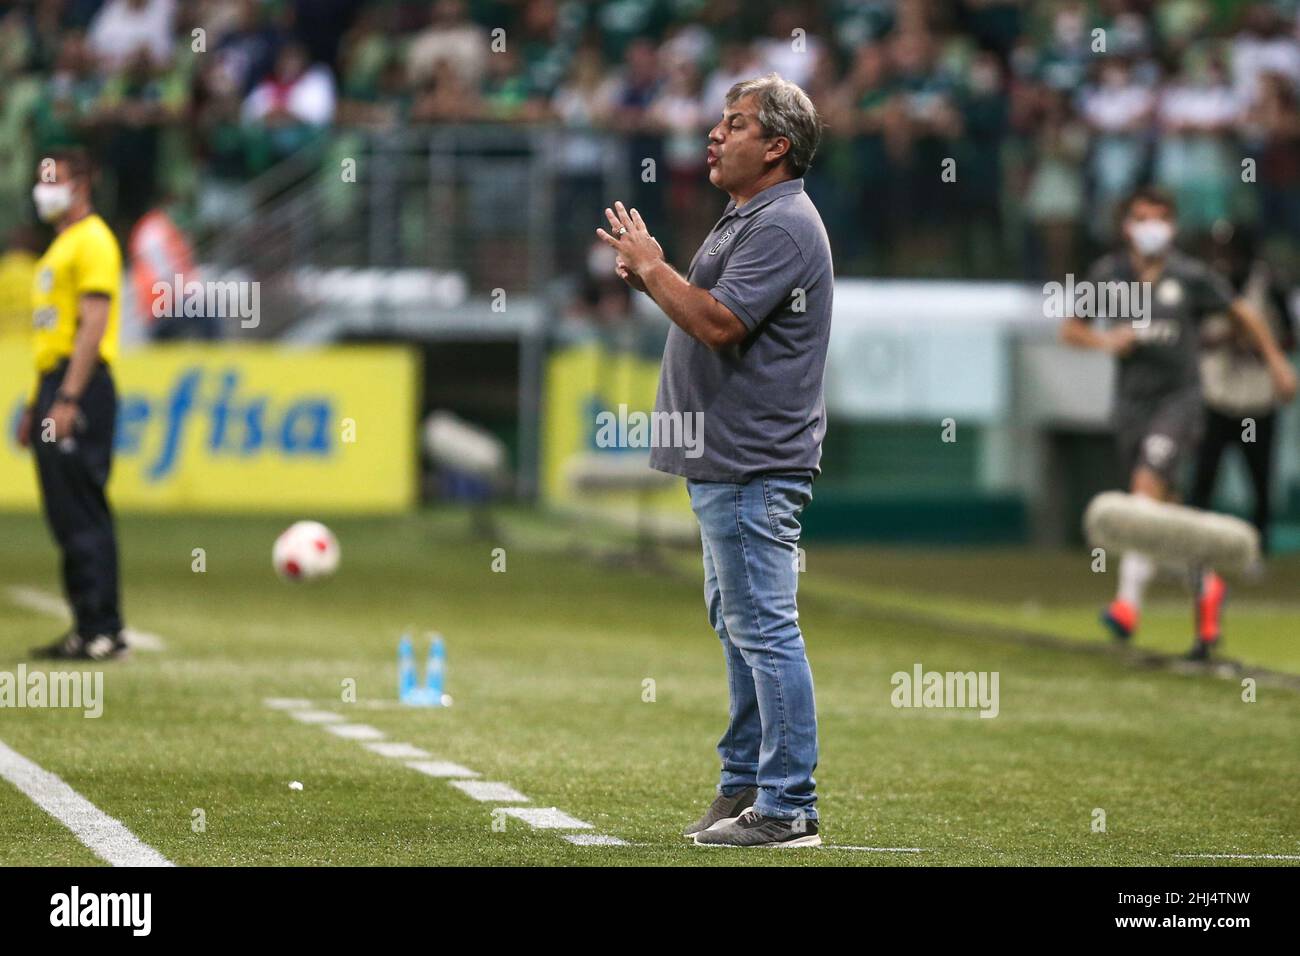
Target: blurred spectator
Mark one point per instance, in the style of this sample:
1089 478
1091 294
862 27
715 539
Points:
320 25
638 87
1195 158
159 252
444 97
920 135
1236 381
1273 131
1051 109
995 24
17 46
738 61
1118 110
1054 195
1127 31
1062 61
365 52
682 116
291 106
1180 22
69 97
123 27
871 110
505 93
1266 44
451 39
381 102
547 38
789 49
582 105
220 136
135 106
983 104
246 52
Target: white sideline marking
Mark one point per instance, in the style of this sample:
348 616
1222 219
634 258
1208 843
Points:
143 640
441 768
546 818
874 849
287 703
1238 856
489 791
594 839
107 838
43 602
398 751
355 731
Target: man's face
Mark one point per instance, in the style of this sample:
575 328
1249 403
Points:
739 151
1149 227
54 196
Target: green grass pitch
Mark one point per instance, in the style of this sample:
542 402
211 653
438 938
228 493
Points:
547 664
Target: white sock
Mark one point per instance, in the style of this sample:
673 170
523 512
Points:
1135 572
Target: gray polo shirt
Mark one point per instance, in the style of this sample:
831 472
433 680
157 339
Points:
760 403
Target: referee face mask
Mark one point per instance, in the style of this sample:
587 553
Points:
52 200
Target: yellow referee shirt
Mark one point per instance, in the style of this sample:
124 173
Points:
82 259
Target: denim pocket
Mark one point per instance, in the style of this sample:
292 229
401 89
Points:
786 496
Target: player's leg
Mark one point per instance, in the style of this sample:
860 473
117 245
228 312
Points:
95 445
739 746
753 531
73 475
1181 423
1210 589
1209 457
1136 570
1259 461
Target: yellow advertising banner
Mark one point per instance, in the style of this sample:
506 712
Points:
244 428
586 385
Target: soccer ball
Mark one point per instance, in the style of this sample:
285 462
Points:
305 550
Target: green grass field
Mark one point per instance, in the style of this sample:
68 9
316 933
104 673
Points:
547 663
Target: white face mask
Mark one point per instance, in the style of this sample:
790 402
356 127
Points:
1151 236
52 200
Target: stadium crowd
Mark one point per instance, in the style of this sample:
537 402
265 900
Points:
1051 109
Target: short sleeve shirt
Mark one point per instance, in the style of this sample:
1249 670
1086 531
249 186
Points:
760 403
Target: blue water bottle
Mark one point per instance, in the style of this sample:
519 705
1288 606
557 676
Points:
405 668
435 671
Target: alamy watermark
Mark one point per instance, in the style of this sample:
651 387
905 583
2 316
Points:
624 429
951 689
133 911
74 690
1127 301
213 299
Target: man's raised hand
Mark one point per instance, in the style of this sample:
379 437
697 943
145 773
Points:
637 249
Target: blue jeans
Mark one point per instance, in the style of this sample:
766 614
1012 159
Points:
750 534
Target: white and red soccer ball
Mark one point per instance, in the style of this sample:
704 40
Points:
305 550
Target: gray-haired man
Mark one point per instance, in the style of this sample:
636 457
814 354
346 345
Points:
751 321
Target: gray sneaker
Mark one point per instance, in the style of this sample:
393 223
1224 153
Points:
72 646
751 828
724 809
